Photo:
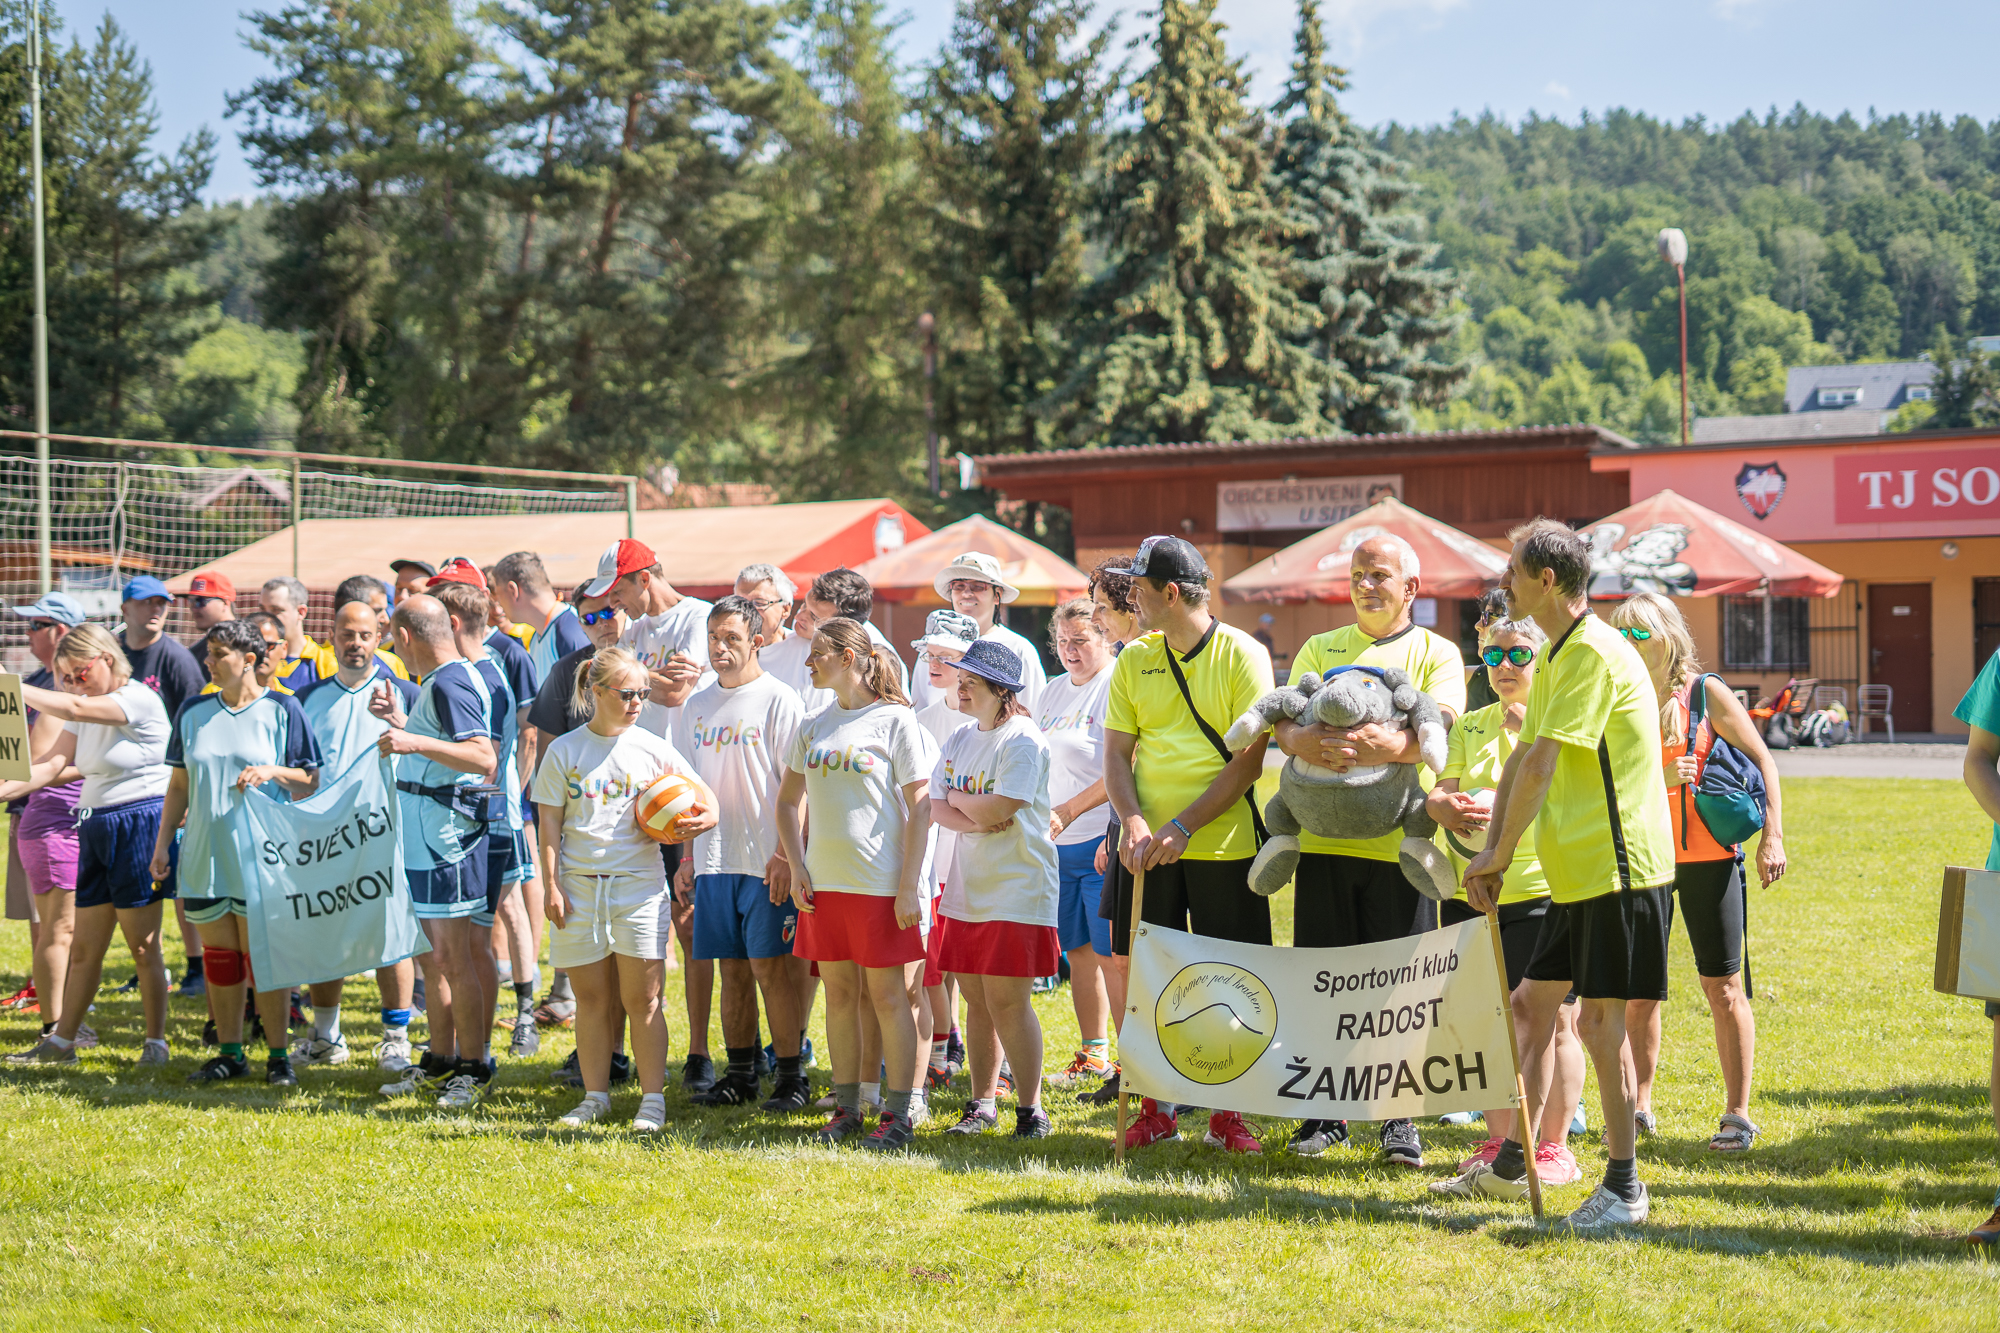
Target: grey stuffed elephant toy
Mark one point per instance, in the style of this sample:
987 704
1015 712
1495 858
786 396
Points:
1362 802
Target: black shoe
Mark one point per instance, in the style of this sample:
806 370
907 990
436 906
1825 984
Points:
729 1090
697 1074
791 1096
1400 1144
1032 1122
208 1037
621 1067
842 1125
220 1068
128 987
1314 1137
1104 1094
892 1135
954 1050
278 1073
569 1075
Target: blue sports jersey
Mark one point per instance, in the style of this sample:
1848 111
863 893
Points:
300 673
340 719
214 744
563 636
522 678
451 706
504 726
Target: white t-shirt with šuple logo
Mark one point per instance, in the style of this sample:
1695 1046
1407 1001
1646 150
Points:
737 740
1071 717
856 763
681 628
595 780
1010 874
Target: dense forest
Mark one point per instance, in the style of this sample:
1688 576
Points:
621 234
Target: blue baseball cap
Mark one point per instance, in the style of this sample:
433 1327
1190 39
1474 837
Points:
139 589
57 606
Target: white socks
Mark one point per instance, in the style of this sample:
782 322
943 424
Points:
326 1022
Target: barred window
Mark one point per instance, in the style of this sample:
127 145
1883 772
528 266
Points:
1766 633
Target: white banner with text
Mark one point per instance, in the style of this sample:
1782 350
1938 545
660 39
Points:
1307 502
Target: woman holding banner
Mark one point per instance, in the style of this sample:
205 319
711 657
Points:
1708 875
606 885
1462 804
243 735
865 763
115 740
998 914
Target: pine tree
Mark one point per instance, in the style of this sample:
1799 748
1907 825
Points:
837 396
1385 309
1015 117
1195 321
1965 387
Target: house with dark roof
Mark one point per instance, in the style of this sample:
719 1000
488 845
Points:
1881 386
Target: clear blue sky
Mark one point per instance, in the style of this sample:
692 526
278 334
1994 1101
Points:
1415 61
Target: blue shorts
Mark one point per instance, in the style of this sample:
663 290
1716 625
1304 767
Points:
114 857
446 893
506 866
1078 888
734 917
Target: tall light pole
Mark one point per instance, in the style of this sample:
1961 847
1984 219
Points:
44 564
1673 243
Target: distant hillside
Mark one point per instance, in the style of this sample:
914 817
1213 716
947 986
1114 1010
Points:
1811 239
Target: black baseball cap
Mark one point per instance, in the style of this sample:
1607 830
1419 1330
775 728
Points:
430 570
1172 558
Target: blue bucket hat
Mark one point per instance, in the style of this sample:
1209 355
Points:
994 663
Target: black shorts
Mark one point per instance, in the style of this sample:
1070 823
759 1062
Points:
1711 903
1203 897
1611 947
1520 929
1339 901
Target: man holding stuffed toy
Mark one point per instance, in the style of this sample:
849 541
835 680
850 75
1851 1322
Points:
1354 892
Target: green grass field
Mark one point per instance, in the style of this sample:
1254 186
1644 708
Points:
129 1201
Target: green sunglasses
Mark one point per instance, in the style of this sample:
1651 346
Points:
1635 633
1519 655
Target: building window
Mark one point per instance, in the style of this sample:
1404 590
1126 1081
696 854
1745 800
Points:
1845 396
1985 621
1767 634
1918 393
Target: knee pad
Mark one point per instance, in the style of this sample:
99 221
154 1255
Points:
225 967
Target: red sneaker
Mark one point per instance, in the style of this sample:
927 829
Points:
23 998
1151 1126
1485 1152
1227 1130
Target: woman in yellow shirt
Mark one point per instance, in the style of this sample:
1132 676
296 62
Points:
1462 804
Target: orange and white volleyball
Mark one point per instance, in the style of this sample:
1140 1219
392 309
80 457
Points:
660 806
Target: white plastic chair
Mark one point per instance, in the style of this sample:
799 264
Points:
1878 703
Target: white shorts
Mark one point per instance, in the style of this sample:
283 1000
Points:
611 914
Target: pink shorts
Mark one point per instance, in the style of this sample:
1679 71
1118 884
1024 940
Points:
997 948
50 861
856 928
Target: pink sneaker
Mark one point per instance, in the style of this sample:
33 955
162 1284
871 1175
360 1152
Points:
1226 1130
1485 1152
1555 1165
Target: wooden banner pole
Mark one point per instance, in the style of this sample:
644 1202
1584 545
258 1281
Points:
1524 1130
1131 1010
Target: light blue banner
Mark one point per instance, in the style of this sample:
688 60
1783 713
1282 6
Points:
324 884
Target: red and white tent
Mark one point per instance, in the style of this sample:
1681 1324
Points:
1667 543
1454 563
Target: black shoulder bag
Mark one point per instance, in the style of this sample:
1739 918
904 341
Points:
1258 833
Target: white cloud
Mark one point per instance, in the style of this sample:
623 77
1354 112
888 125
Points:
1559 89
1349 22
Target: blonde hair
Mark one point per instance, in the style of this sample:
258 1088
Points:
1650 611
601 670
879 668
88 641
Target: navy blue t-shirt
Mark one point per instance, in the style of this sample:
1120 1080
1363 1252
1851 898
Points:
168 670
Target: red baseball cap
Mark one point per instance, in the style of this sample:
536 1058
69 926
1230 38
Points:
212 585
460 570
619 559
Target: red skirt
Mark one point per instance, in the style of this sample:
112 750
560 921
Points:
856 928
997 948
933 942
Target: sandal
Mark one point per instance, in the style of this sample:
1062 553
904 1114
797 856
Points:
1735 1136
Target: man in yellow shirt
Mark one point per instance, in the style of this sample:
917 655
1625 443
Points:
1586 776
1180 798
1354 892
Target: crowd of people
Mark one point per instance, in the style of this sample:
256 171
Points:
925 845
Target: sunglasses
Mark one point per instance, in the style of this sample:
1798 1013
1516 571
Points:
1519 655
598 617
36 626
631 696
1635 633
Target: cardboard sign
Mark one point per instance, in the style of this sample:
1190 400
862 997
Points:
15 757
1968 952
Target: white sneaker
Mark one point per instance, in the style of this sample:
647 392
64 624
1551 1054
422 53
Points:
587 1111
1481 1183
154 1052
1605 1209
461 1093
313 1049
392 1053
652 1116
413 1079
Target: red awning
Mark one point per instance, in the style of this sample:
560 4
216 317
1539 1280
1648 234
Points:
1454 563
1667 543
